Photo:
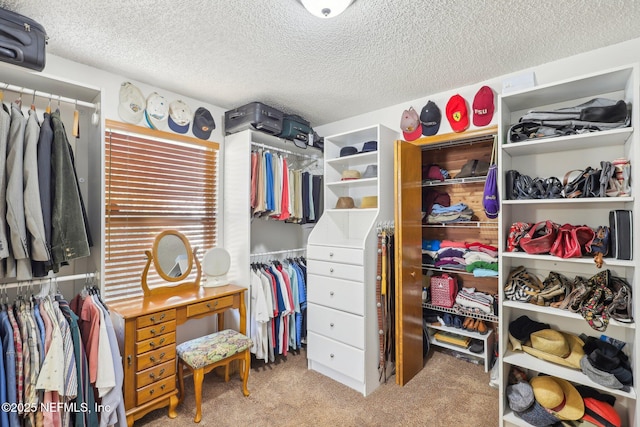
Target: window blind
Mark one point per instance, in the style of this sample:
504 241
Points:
154 181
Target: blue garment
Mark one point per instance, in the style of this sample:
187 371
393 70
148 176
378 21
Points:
270 195
10 366
40 322
4 416
302 297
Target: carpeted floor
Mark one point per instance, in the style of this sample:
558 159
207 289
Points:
447 392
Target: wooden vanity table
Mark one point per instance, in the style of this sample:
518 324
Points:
146 331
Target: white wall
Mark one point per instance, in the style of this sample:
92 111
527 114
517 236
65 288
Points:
600 59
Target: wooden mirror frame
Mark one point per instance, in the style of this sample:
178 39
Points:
152 256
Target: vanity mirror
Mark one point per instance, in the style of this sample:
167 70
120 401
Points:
173 259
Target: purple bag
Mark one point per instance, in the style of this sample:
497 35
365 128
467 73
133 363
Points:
490 198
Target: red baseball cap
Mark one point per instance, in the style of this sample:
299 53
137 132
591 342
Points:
600 413
457 113
411 125
483 106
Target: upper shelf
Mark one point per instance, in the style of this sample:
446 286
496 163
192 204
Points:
452 181
354 159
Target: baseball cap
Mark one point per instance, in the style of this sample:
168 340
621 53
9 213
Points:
430 117
483 106
410 125
457 113
203 123
157 111
179 116
132 103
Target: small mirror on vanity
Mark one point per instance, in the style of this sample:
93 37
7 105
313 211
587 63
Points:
174 260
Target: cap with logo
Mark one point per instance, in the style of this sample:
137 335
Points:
157 111
132 103
430 118
457 113
483 106
179 116
203 123
410 125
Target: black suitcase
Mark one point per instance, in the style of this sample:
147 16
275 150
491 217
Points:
295 127
22 41
256 116
621 225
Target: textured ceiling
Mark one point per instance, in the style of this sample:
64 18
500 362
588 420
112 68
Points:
376 54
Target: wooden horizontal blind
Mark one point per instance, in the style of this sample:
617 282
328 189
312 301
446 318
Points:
154 181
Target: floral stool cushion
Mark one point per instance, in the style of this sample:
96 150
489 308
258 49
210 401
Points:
203 351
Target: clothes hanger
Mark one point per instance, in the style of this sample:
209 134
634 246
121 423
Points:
48 109
76 121
33 102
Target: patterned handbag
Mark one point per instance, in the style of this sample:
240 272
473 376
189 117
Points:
444 289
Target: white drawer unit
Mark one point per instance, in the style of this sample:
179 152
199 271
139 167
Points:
336 270
335 254
340 294
336 356
338 325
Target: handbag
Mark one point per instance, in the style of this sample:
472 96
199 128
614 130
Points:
539 238
516 231
444 289
572 241
490 197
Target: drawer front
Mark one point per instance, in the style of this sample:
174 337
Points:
155 343
155 357
155 390
329 253
155 318
338 325
337 356
155 373
336 293
155 330
337 270
209 306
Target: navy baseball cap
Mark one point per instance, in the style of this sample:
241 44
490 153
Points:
203 123
430 118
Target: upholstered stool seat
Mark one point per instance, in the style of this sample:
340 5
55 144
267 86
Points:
202 355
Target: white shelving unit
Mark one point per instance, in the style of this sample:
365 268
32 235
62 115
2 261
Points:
554 157
341 252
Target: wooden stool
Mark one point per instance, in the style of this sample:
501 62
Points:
202 355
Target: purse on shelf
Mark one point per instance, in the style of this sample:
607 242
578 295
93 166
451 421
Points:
516 232
539 238
572 241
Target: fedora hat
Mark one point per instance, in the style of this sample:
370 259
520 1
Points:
350 174
559 396
345 203
370 172
348 151
557 347
369 202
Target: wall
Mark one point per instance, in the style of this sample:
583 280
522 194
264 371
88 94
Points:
600 59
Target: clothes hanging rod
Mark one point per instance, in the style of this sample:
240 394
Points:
282 150
49 96
41 280
279 252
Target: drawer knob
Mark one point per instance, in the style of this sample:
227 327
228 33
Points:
331 355
330 253
152 376
154 332
331 269
153 359
215 304
151 391
331 324
331 293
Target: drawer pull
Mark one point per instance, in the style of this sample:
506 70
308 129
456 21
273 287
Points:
162 386
153 345
151 391
331 324
330 253
331 269
331 293
331 355
153 318
129 359
152 376
153 331
215 304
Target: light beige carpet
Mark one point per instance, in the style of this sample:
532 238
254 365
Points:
448 392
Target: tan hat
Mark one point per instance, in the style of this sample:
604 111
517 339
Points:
557 347
559 396
345 203
350 174
369 202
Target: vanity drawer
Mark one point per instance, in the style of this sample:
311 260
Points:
155 330
155 318
330 253
155 343
155 390
340 357
337 270
209 306
155 357
155 373
335 324
336 293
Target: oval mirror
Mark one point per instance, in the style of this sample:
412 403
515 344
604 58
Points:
215 264
172 256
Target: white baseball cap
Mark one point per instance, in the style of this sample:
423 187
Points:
132 103
157 111
179 116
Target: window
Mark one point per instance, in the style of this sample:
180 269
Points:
154 181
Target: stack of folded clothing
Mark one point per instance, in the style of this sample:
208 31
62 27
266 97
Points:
481 259
471 300
459 212
430 249
451 255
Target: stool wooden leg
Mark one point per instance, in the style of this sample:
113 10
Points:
226 372
180 381
198 376
246 365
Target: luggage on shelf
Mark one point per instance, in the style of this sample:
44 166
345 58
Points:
621 237
255 116
23 41
295 128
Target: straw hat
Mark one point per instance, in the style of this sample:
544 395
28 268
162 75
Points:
557 347
350 174
559 396
369 202
345 203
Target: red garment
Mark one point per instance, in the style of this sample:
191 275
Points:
254 179
284 214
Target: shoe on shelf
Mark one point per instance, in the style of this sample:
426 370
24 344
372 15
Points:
481 327
476 346
447 319
468 321
457 322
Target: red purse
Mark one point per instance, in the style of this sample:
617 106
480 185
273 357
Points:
539 238
572 241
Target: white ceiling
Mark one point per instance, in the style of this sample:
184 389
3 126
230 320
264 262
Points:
376 54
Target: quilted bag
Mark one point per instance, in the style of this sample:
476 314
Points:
444 289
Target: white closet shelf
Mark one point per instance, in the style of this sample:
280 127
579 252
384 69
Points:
463 224
353 210
353 183
453 181
583 141
354 159
584 260
595 200
453 271
559 312
526 361
482 316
